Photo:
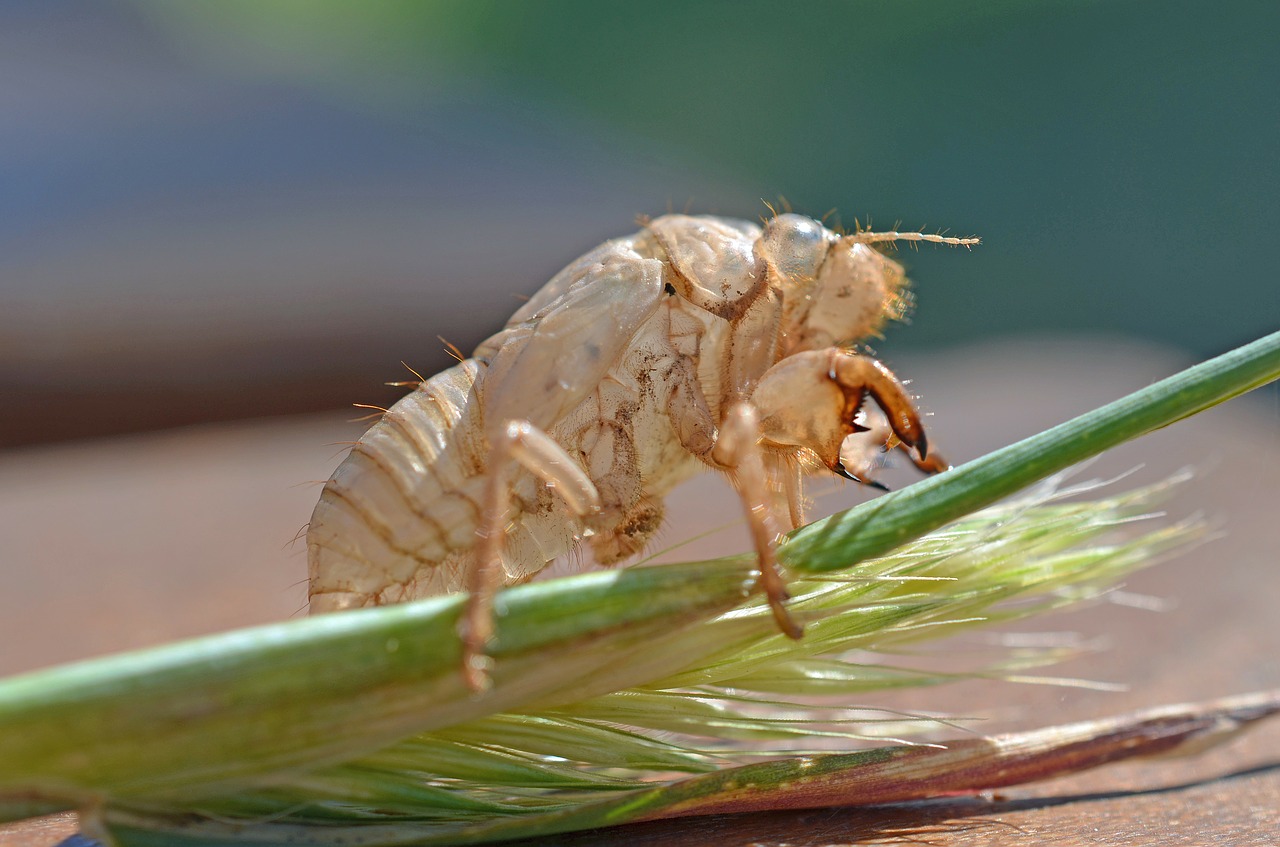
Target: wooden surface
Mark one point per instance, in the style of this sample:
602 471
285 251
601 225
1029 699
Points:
115 544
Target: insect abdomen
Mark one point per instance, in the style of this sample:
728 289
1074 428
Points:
403 503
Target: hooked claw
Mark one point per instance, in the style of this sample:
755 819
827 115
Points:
811 400
841 470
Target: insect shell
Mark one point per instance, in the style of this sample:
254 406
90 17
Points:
697 342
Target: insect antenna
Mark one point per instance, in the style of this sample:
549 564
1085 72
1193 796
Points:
895 235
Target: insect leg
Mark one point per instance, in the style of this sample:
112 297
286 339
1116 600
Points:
933 463
518 443
738 448
735 447
862 374
793 480
810 400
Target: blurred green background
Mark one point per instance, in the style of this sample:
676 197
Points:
238 208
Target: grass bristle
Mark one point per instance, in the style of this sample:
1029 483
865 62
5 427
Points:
733 690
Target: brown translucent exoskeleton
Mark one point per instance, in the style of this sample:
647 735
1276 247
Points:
696 343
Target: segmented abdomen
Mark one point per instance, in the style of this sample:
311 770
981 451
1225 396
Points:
398 517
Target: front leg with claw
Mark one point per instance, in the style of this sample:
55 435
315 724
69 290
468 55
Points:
810 400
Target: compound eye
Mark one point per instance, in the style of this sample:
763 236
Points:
795 245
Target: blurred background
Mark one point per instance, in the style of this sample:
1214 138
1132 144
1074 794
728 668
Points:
217 216
238 209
